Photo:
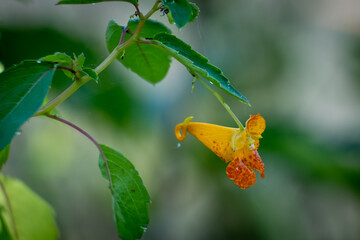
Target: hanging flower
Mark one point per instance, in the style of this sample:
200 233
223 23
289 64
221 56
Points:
234 145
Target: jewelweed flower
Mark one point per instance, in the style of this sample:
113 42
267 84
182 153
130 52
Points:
234 145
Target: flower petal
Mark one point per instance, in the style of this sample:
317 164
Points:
252 159
181 129
217 138
243 176
255 125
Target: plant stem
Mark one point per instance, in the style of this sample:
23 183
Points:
221 100
11 213
91 139
101 67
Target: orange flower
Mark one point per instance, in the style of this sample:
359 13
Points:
234 145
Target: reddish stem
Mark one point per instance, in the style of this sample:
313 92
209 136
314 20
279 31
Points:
91 139
137 9
68 69
122 35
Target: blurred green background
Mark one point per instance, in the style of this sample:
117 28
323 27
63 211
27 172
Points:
298 62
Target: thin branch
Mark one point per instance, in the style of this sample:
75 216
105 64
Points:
122 35
10 209
91 139
67 69
137 9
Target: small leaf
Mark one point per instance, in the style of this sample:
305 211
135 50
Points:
4 155
195 62
57 58
146 60
81 60
91 73
181 11
34 218
23 88
130 197
195 12
94 1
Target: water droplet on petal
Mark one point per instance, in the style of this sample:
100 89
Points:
179 145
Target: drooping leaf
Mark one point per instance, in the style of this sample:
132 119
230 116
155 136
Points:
197 63
94 1
23 88
33 217
146 60
57 58
91 73
130 197
181 12
4 155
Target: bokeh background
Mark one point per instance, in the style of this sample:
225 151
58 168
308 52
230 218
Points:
298 62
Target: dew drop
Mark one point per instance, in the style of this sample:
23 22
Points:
18 133
38 61
178 145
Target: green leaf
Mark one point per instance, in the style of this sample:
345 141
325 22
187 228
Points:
91 73
34 218
4 231
4 155
23 88
80 60
130 197
146 60
181 11
58 58
197 63
194 12
94 1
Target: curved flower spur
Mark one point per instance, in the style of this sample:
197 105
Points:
234 145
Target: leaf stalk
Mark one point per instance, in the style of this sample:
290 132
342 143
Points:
221 100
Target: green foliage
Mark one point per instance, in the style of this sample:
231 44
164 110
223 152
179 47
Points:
144 46
91 73
181 12
94 1
33 217
196 63
58 58
80 60
71 66
130 197
4 231
4 155
23 88
146 60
